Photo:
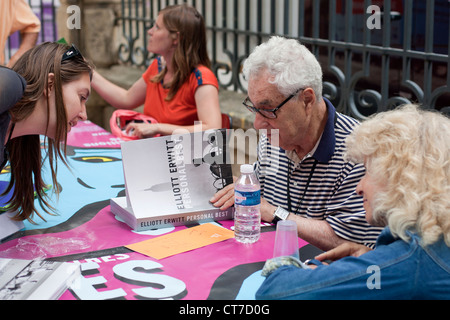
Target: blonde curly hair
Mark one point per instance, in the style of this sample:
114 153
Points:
407 150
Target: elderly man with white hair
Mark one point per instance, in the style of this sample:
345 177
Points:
300 166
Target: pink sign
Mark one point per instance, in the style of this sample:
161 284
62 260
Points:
86 232
88 135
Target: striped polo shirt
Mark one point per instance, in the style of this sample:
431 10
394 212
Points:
321 186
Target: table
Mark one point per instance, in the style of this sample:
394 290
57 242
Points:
85 231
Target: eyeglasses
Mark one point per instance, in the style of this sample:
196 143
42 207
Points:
71 53
267 113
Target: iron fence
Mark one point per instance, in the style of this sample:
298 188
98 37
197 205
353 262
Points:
366 70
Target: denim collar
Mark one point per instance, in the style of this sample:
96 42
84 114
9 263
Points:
386 237
325 150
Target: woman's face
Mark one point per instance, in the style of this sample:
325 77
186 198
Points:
75 95
161 41
368 188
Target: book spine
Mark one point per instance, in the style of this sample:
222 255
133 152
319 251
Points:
184 219
127 217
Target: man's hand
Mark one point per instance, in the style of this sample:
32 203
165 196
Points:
267 210
224 198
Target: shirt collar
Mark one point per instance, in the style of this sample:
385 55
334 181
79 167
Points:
292 155
327 144
385 237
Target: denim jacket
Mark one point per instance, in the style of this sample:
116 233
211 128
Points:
394 270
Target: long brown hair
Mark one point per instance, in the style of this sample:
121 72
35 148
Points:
191 50
25 151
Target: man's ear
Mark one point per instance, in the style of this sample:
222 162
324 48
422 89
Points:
309 97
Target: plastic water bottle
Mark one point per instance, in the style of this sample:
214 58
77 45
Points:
247 202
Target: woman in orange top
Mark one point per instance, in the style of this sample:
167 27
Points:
178 88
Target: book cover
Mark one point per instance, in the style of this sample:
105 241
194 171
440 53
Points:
169 180
8 226
35 279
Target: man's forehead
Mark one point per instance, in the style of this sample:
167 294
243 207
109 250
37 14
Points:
261 91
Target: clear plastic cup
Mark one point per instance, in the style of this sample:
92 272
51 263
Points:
286 239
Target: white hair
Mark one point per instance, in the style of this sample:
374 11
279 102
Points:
291 65
408 151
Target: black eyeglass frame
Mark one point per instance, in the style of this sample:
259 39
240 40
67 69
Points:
71 53
253 109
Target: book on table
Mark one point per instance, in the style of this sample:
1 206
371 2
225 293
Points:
169 180
35 279
8 225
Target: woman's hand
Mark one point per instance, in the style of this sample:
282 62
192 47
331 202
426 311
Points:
344 250
142 130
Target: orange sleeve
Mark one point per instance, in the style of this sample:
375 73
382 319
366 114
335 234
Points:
204 76
24 19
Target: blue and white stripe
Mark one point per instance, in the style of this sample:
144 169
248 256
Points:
331 193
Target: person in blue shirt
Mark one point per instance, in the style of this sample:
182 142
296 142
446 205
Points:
406 190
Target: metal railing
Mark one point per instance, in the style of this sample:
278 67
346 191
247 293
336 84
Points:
365 70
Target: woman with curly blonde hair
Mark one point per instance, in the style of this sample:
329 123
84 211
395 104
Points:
406 189
407 152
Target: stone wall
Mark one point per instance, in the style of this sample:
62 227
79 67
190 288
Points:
99 35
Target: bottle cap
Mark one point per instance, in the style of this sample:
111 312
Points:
246 168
